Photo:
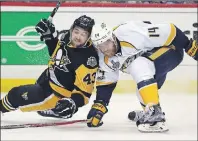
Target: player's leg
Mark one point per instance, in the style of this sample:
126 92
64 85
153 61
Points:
163 64
28 98
147 87
137 114
150 77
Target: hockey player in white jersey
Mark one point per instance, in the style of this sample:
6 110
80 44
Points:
147 52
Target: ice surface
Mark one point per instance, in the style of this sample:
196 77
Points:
180 109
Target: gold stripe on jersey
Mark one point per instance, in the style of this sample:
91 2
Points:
158 53
106 59
62 91
86 99
85 78
118 26
126 44
99 83
56 49
48 103
5 105
149 94
115 27
171 36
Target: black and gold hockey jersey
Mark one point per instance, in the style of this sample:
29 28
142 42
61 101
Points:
71 70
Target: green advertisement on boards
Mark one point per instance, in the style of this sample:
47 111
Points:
20 44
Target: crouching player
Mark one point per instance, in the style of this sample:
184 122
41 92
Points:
148 52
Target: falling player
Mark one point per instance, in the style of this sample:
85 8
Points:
67 83
147 52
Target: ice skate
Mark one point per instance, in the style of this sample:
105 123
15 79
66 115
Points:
135 115
153 120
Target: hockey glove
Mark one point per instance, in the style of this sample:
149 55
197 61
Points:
96 113
46 30
65 108
192 49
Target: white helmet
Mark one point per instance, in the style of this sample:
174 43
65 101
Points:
101 33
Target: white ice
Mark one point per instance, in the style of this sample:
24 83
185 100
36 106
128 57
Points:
180 110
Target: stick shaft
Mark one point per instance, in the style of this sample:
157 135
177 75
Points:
32 125
54 11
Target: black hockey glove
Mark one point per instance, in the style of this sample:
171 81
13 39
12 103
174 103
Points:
46 30
65 108
96 113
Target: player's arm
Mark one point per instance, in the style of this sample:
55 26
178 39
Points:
105 84
48 34
84 83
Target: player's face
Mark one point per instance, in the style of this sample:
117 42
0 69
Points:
79 36
108 48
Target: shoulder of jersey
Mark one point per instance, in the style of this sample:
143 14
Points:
108 64
63 34
64 37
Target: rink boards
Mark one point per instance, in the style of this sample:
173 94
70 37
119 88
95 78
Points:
181 80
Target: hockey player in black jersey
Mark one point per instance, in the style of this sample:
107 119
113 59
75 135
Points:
68 82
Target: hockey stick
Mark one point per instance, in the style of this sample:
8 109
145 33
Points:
50 18
42 124
55 10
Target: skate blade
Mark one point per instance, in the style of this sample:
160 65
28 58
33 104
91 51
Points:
159 127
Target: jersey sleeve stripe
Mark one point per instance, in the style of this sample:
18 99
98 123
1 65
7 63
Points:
126 44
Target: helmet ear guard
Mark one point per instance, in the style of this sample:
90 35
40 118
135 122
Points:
101 33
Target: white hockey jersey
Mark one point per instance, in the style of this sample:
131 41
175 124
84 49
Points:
135 38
